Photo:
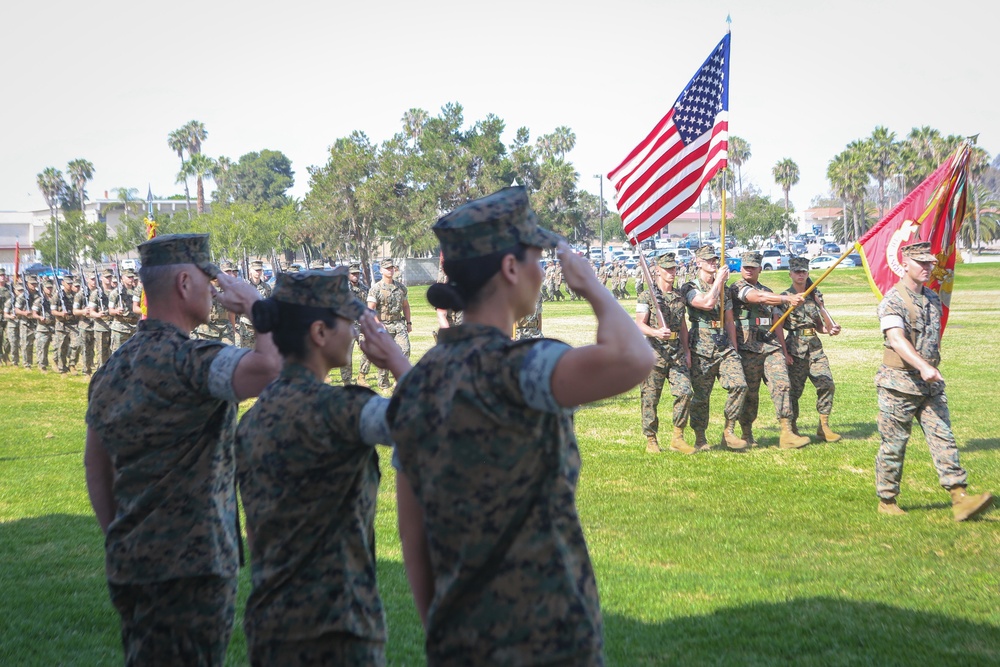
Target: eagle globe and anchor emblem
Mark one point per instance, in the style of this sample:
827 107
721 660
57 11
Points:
942 277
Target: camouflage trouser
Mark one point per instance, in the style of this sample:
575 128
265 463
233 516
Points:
527 332
571 293
817 369
42 339
334 648
347 370
556 293
651 389
27 344
726 366
13 343
248 335
545 292
65 347
118 339
772 369
896 412
85 345
102 347
176 622
398 331
4 344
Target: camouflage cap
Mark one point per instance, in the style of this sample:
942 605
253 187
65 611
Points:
354 268
490 224
257 265
798 264
752 259
920 252
317 265
320 289
32 280
107 273
228 266
3 271
293 268
48 281
179 249
387 263
706 252
667 260
70 280
130 273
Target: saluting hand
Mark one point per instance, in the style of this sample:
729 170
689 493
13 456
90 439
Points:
577 271
380 346
237 296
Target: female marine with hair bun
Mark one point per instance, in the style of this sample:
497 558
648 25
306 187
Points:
308 475
486 457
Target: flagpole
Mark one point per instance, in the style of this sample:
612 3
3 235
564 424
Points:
722 249
649 279
809 290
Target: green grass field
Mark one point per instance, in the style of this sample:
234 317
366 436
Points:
765 558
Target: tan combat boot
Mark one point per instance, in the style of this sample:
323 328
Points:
890 507
746 432
787 439
823 430
652 446
729 438
964 506
678 444
362 381
700 441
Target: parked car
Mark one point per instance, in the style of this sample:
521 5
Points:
772 260
831 249
856 258
826 261
798 249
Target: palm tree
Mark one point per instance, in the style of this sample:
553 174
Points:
413 123
739 153
883 155
986 219
195 133
201 167
979 162
80 171
177 140
50 182
221 175
786 174
563 141
848 175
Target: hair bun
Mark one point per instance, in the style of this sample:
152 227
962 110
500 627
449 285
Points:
265 315
445 297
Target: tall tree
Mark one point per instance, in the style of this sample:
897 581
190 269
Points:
883 154
413 124
195 133
200 166
50 182
178 142
979 162
848 175
786 174
259 179
80 171
739 154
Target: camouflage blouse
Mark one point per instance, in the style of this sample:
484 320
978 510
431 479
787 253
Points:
892 313
494 464
702 340
668 352
309 476
806 316
165 410
752 320
388 299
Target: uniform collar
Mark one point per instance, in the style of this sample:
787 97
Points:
467 331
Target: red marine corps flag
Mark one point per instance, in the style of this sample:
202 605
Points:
933 212
663 176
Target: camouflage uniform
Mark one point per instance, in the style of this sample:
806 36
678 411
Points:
671 364
67 332
309 477
26 323
760 353
495 473
13 326
388 301
360 292
6 301
44 327
530 326
903 395
712 355
218 326
85 333
164 409
101 326
810 361
122 326
248 335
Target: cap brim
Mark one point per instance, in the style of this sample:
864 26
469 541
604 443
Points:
926 258
749 265
542 238
211 270
352 310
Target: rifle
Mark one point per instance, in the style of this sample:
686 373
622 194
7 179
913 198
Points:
246 267
61 293
102 296
120 288
83 283
275 266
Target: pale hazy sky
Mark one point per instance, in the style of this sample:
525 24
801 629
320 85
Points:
107 80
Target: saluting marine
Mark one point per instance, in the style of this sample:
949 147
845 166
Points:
247 335
360 292
530 326
389 301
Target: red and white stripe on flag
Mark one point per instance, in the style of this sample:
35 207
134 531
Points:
663 176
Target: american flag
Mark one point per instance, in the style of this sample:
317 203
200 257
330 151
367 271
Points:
663 176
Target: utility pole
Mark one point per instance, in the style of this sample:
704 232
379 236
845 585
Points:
601 181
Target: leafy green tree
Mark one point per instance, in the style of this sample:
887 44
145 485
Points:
261 179
758 217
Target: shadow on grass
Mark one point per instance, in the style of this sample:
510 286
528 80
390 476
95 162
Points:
809 631
981 444
75 452
56 611
854 431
